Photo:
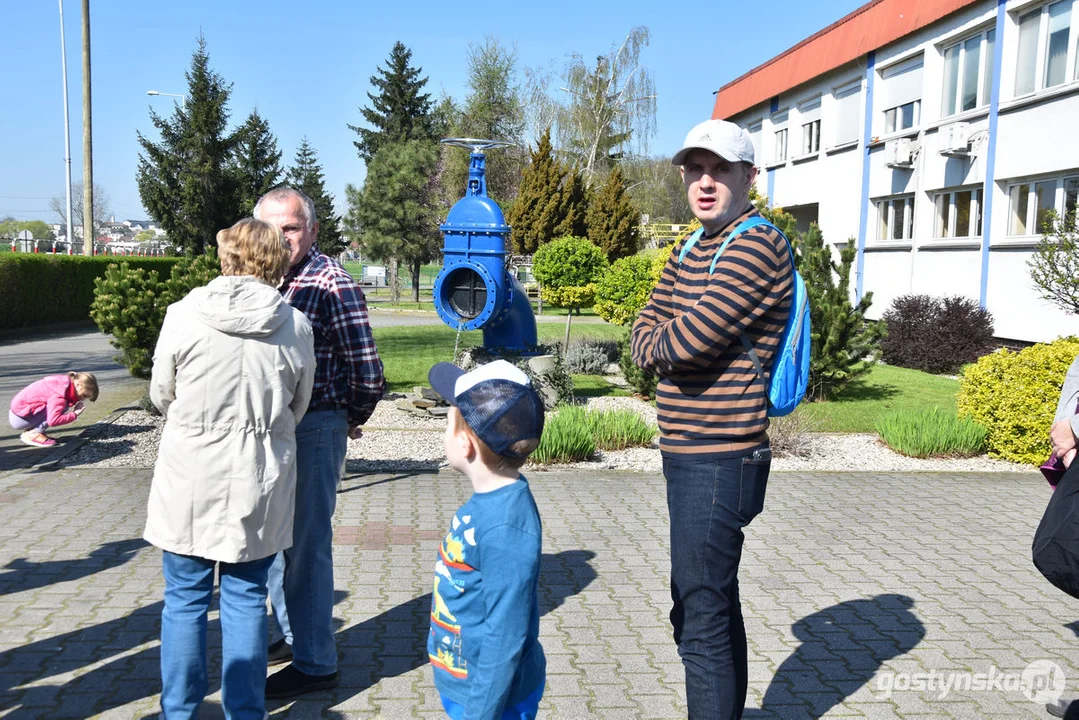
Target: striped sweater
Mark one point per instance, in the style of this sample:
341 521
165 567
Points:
710 401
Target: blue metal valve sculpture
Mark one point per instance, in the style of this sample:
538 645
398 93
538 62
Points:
473 290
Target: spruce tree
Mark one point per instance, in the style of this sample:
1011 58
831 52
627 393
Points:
394 217
257 161
613 221
306 176
845 346
187 182
400 111
539 206
574 206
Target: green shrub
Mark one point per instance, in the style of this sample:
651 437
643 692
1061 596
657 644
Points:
932 433
619 429
640 381
42 289
586 359
566 437
623 290
1014 395
130 303
567 269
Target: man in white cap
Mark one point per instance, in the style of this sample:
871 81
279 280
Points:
715 301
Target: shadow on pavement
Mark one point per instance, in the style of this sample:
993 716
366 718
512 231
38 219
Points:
26 575
843 647
342 489
395 642
384 646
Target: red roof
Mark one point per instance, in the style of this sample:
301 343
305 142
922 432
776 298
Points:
871 26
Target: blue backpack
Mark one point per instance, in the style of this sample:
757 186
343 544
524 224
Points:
787 383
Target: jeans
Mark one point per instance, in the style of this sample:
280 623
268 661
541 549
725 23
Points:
189 584
301 583
710 501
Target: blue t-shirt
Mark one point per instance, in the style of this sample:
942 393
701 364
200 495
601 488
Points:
484 639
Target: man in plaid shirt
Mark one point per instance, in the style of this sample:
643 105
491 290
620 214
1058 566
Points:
348 384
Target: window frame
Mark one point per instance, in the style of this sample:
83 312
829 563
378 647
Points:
985 70
1059 205
780 123
916 116
1041 48
975 213
887 206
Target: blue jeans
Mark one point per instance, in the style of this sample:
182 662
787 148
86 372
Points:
301 581
524 710
710 501
189 584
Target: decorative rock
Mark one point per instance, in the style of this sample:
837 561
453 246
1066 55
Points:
427 393
439 411
405 405
421 403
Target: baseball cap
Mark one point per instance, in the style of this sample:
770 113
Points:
723 138
497 401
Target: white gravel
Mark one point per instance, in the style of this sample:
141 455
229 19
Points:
395 440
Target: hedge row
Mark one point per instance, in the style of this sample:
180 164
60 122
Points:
45 289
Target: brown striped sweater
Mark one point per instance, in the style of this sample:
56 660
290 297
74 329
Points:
710 401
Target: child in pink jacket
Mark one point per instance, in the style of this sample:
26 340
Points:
51 401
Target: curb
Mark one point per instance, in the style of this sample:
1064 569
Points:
49 462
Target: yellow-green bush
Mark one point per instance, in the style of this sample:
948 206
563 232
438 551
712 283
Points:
1014 395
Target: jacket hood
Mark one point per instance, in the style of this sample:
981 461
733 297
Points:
240 305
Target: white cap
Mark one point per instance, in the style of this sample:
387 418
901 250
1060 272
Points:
723 138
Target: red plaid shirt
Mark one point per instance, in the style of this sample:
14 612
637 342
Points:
348 371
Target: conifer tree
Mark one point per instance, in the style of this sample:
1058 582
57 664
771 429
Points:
394 217
258 161
187 182
538 209
400 111
613 221
845 346
306 176
574 208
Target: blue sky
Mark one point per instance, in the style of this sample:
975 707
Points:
306 67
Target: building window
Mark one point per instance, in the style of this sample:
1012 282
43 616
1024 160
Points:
895 218
1033 204
779 137
1046 42
968 74
958 214
847 114
809 116
901 93
754 131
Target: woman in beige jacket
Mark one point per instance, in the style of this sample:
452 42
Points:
232 374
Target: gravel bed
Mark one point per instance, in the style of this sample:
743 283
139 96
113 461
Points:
395 440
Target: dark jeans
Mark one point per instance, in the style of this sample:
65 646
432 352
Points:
710 501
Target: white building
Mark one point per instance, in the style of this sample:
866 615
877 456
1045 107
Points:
935 134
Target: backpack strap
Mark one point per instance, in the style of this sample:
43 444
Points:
690 243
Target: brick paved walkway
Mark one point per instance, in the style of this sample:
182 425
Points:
848 582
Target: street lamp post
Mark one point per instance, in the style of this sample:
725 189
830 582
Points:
183 98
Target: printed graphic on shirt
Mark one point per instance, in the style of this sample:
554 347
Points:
445 632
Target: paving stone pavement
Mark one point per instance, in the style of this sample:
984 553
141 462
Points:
851 584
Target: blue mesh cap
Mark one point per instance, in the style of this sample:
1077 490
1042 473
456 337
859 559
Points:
496 400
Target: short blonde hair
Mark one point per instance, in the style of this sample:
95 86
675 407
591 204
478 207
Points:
86 384
253 247
489 457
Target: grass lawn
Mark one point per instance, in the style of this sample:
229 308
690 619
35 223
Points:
409 352
884 390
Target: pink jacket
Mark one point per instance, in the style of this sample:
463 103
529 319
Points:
53 394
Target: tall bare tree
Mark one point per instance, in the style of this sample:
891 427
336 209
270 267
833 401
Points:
101 205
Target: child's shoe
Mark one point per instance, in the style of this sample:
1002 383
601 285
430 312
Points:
36 439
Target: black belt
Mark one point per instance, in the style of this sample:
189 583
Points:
325 406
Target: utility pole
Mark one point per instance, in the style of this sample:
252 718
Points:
87 139
67 134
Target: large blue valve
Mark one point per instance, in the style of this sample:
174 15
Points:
473 290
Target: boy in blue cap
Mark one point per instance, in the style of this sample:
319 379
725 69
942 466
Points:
484 639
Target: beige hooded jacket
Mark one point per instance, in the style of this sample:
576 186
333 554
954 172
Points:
233 371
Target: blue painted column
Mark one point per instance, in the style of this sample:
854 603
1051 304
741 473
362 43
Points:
867 137
991 152
772 110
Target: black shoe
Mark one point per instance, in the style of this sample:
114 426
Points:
1062 708
291 682
279 652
